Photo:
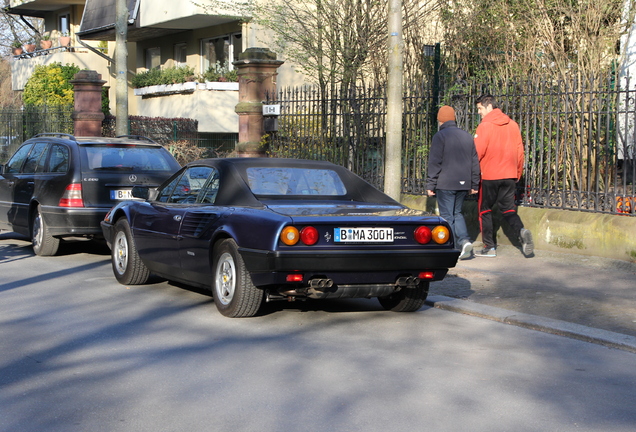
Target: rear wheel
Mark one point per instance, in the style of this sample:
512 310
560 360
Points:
44 244
234 293
407 299
127 266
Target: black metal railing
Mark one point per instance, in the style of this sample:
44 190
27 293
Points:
579 135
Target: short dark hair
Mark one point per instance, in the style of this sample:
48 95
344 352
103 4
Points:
486 100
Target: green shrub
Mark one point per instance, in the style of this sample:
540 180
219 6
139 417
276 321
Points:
222 73
49 85
171 75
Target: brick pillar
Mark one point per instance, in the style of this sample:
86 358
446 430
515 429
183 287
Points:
88 114
257 75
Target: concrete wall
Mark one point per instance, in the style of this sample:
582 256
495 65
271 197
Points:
213 109
593 234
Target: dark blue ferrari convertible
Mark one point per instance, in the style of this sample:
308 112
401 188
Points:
254 229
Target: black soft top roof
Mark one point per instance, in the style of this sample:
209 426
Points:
235 191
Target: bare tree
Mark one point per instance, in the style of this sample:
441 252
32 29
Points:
18 29
9 98
533 37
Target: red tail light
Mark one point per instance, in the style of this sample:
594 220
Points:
72 196
426 275
309 235
422 235
294 277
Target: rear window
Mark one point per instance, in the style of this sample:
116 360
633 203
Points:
127 158
294 181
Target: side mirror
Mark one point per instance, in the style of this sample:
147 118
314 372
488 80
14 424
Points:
144 192
140 192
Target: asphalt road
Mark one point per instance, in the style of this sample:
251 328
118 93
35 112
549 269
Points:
82 353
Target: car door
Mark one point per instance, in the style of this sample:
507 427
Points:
24 185
157 225
198 221
10 175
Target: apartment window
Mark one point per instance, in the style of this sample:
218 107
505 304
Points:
64 23
180 54
153 58
222 50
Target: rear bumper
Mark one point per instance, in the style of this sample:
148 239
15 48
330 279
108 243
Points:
62 221
352 266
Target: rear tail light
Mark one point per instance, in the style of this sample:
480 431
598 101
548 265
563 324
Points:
72 196
290 236
441 234
426 275
423 235
294 277
308 235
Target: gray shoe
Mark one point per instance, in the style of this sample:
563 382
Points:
527 245
467 251
487 253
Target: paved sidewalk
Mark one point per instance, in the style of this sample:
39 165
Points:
588 298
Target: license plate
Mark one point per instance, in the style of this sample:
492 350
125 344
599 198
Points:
363 235
121 194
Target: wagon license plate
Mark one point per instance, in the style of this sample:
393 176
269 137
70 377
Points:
363 235
121 194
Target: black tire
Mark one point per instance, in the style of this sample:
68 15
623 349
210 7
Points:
234 293
44 244
127 266
407 299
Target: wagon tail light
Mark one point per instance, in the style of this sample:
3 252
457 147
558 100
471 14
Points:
307 235
72 196
439 234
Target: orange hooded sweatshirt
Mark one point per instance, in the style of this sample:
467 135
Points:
499 147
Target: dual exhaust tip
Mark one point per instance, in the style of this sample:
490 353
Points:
322 283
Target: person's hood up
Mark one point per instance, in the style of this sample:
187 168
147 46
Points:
497 117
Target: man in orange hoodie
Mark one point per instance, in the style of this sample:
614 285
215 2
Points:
500 151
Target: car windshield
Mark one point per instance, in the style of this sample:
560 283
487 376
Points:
127 158
294 181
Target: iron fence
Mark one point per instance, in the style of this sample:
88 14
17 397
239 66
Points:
17 125
579 135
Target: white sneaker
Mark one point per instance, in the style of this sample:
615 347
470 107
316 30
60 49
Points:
467 251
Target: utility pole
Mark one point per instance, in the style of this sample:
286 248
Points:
393 162
121 65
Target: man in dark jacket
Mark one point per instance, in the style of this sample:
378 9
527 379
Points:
453 171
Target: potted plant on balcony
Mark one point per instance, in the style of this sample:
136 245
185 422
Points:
16 48
64 39
29 46
46 42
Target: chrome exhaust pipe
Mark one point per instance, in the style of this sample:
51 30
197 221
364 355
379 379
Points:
407 281
320 283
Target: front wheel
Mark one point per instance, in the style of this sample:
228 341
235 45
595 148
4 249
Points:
127 266
235 295
44 244
407 299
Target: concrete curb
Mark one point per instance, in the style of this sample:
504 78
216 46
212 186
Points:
533 322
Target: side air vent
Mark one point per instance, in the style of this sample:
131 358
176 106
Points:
194 224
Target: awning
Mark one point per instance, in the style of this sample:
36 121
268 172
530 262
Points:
98 22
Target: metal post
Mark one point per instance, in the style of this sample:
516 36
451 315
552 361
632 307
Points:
121 60
393 164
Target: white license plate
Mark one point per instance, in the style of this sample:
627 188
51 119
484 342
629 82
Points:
363 235
121 194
